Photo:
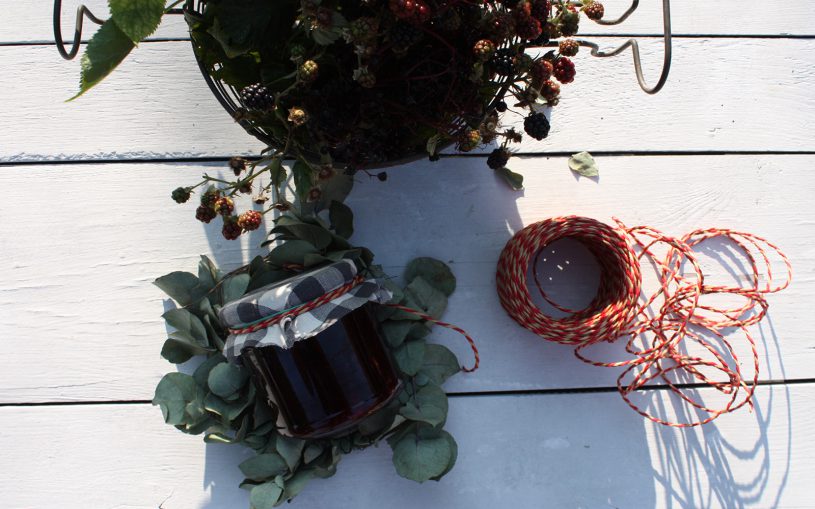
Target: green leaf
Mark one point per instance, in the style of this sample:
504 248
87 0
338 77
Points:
106 50
239 24
177 350
433 143
303 178
226 379
435 272
137 18
439 364
182 287
515 180
429 405
184 321
410 356
173 393
423 454
290 449
584 164
264 466
277 172
312 452
315 235
396 331
297 482
201 374
342 219
265 496
230 410
234 287
429 299
291 252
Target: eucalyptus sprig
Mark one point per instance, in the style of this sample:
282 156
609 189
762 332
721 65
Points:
220 401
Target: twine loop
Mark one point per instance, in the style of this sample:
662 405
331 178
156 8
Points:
657 325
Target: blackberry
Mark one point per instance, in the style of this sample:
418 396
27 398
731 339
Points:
503 63
250 220
569 22
498 158
403 36
541 10
238 164
536 125
594 11
568 47
231 230
509 4
501 107
382 176
564 70
257 97
181 194
543 38
205 214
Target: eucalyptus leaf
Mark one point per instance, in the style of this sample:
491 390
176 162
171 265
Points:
182 287
410 356
429 405
291 252
290 449
435 272
184 321
226 379
433 143
315 235
229 410
264 466
173 393
177 350
396 331
234 287
297 482
201 373
439 364
429 299
312 452
584 164
137 18
265 496
423 455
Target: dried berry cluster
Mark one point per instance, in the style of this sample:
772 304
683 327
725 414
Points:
360 83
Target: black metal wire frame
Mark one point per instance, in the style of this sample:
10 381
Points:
229 97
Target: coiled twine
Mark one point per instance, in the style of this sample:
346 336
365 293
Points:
657 325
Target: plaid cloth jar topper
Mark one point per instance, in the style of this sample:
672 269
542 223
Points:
281 297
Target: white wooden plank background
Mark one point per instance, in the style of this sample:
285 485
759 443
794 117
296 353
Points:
105 254
80 243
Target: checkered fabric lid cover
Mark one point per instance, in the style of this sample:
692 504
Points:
284 295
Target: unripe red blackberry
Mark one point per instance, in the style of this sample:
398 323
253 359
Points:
181 194
484 49
594 11
564 70
536 125
527 27
231 230
568 47
250 220
204 214
550 91
540 71
413 10
308 71
498 158
257 97
224 206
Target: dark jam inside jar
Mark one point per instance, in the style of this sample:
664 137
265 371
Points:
326 384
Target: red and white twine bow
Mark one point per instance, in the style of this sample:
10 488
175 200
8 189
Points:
657 326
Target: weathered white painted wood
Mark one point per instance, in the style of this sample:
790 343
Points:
157 104
554 451
30 21
81 244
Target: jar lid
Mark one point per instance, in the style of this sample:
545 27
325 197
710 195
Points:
281 297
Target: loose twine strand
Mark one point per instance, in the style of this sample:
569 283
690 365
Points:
338 292
620 310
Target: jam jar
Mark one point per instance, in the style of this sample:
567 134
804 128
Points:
325 369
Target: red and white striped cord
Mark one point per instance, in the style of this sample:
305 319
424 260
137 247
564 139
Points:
619 310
